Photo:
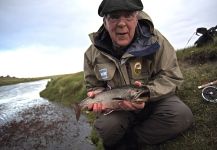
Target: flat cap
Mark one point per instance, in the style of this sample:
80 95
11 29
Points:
108 6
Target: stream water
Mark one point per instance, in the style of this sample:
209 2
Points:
28 121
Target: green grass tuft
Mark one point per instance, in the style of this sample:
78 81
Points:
65 89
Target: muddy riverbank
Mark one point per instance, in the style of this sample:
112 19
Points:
39 124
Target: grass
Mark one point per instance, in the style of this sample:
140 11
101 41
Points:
65 89
13 80
7 80
199 66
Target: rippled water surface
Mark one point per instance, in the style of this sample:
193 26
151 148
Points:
28 121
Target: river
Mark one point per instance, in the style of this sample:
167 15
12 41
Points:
28 121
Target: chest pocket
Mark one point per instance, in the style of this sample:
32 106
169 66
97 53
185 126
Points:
104 72
139 70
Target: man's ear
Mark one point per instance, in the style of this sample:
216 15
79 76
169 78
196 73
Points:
104 23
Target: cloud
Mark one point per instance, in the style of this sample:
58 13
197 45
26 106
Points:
40 61
40 38
51 22
46 37
179 19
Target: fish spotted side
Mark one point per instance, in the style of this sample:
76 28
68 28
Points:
111 99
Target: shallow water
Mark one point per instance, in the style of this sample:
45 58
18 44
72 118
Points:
28 121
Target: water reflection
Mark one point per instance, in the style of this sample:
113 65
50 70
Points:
16 98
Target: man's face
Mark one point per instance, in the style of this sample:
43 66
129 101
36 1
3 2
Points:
121 26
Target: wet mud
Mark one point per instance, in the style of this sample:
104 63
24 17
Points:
29 122
46 127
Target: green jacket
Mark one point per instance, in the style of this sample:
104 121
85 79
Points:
149 59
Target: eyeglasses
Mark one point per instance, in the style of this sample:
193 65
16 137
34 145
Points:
127 16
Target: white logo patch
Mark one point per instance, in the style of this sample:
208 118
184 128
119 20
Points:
103 73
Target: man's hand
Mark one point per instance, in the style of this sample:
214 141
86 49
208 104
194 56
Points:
92 94
127 105
96 107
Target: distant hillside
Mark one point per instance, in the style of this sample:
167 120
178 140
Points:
7 80
199 66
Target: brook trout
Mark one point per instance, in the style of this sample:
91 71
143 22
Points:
111 99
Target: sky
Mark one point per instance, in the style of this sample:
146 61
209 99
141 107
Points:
49 37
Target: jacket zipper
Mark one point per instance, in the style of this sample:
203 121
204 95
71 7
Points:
121 73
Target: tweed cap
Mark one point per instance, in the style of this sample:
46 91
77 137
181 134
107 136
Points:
108 6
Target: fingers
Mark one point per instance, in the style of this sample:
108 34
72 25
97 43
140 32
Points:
90 107
138 84
91 94
96 107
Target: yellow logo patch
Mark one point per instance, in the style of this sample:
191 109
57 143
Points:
137 68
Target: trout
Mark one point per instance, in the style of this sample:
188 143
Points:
111 99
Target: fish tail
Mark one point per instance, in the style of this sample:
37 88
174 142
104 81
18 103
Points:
77 110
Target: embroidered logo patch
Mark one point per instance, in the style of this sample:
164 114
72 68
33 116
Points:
137 68
103 73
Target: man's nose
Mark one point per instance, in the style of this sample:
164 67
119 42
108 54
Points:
121 21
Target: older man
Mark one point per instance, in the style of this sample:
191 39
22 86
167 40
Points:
127 50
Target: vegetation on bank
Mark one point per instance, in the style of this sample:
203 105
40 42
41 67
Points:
199 66
7 80
65 89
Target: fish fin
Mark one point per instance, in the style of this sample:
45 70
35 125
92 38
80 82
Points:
77 110
109 112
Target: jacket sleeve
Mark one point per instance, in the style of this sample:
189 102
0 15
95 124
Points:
91 81
166 76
